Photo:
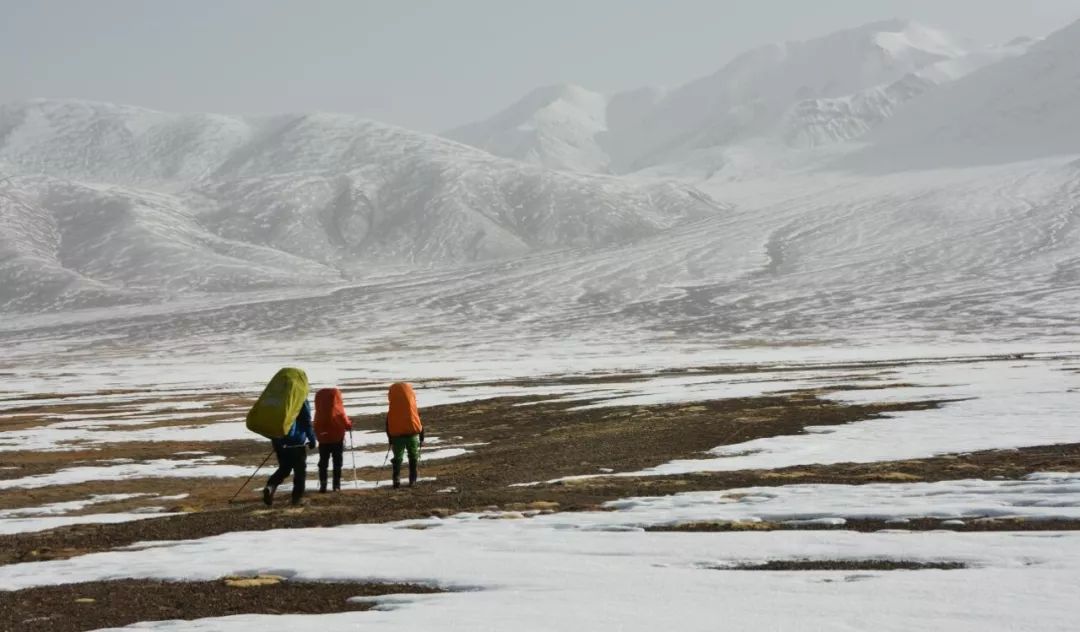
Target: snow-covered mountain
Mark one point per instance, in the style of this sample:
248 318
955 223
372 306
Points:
554 126
823 121
1020 108
418 235
825 90
751 95
111 201
941 256
817 122
71 244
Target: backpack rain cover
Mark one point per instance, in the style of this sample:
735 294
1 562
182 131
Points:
274 412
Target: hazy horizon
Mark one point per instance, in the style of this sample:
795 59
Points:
424 65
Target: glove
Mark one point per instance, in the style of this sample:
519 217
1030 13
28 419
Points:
311 445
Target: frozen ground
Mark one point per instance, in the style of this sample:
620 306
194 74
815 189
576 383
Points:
995 405
551 571
200 467
205 466
555 572
10 526
52 515
1039 496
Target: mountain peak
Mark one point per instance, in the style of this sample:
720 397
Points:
573 95
554 126
913 36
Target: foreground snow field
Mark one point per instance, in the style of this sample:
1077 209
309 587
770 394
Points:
556 572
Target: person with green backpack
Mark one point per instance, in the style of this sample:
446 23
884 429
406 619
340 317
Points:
283 415
292 457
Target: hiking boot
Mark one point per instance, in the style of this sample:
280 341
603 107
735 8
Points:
397 475
337 481
322 482
268 494
412 473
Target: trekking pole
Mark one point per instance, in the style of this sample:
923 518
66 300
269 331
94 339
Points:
352 451
251 477
387 455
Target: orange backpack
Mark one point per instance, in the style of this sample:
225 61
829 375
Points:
403 418
331 422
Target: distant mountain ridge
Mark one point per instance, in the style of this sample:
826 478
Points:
554 126
1022 107
104 204
826 90
108 202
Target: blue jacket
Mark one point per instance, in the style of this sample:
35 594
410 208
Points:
302 431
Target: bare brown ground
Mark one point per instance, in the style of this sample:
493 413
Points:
870 526
28 463
109 604
844 565
541 441
525 440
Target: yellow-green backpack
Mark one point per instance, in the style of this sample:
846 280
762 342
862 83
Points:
274 412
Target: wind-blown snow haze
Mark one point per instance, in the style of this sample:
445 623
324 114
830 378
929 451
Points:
717 313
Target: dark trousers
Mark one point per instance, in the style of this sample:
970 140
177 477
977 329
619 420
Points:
291 459
326 451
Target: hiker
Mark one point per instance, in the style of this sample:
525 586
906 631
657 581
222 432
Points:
404 430
331 424
292 457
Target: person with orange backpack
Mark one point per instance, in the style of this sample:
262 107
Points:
331 424
404 430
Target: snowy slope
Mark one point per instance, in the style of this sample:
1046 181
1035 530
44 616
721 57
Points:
554 126
105 142
815 122
67 243
111 202
1020 108
950 256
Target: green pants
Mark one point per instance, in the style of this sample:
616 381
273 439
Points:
407 442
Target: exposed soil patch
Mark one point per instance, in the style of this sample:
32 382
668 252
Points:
546 440
94 605
990 464
236 451
522 443
525 439
847 366
828 371
844 565
974 523
29 463
240 452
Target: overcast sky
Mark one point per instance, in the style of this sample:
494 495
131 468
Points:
425 64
